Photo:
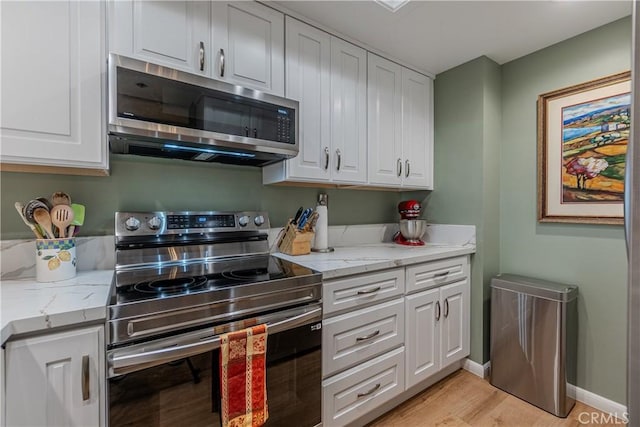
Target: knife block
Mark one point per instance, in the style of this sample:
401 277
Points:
294 241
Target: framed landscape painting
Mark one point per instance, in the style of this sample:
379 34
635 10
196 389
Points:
583 132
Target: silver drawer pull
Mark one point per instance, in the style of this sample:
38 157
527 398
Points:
369 291
367 393
441 275
368 337
86 387
446 307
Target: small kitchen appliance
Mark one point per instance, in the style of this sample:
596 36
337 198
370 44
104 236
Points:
182 279
411 228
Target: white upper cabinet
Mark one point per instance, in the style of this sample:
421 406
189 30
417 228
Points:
385 121
308 62
348 112
328 78
248 45
53 65
238 42
400 126
171 33
417 129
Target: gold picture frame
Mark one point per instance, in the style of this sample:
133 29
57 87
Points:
583 132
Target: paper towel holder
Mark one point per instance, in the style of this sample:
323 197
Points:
323 200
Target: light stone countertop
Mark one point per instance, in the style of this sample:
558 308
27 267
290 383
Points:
29 306
349 260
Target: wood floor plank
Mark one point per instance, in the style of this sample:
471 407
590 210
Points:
465 400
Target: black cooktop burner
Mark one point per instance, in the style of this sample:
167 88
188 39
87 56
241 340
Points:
171 286
193 278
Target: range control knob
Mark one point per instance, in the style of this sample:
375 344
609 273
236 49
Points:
132 223
243 221
154 223
259 220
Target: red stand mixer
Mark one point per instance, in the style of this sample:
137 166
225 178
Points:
411 228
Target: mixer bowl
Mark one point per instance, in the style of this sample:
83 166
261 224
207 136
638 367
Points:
413 229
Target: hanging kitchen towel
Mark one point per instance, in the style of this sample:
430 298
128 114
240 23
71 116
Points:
243 377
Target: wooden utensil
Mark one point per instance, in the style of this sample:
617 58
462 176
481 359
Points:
60 198
42 217
19 207
61 216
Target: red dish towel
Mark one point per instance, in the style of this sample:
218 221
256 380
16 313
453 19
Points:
243 377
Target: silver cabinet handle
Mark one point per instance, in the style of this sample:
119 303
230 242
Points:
446 307
437 310
441 275
368 337
339 159
201 56
221 62
399 167
86 383
367 393
369 291
326 158
407 167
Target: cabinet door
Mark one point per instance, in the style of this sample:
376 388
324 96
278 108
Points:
385 121
56 380
423 336
454 342
348 112
171 33
308 59
53 59
417 130
248 43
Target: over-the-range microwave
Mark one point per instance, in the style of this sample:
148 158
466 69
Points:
162 112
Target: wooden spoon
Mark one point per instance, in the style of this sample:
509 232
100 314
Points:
60 198
62 216
42 217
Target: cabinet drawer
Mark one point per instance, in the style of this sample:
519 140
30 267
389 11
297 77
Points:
437 273
351 394
354 337
359 291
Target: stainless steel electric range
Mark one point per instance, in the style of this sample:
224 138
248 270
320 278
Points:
181 280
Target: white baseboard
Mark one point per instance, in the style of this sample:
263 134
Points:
596 401
477 369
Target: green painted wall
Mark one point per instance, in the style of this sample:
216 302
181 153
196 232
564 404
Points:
466 174
591 256
485 174
138 183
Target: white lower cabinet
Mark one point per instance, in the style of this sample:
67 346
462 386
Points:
352 394
56 379
437 330
356 336
385 332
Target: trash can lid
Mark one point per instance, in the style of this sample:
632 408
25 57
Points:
535 287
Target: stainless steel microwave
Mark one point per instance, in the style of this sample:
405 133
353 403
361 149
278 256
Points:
162 112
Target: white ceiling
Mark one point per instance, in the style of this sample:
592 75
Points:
435 36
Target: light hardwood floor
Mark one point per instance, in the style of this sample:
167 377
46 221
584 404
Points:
463 399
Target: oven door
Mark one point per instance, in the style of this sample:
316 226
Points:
175 381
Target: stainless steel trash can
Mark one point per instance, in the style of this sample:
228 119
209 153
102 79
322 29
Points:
534 340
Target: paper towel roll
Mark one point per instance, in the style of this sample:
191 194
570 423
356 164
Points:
321 232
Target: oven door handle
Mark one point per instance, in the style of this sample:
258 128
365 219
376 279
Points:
125 363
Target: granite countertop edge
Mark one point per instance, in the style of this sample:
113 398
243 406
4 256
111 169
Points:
349 260
30 307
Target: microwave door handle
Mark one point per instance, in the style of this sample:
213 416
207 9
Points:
134 362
